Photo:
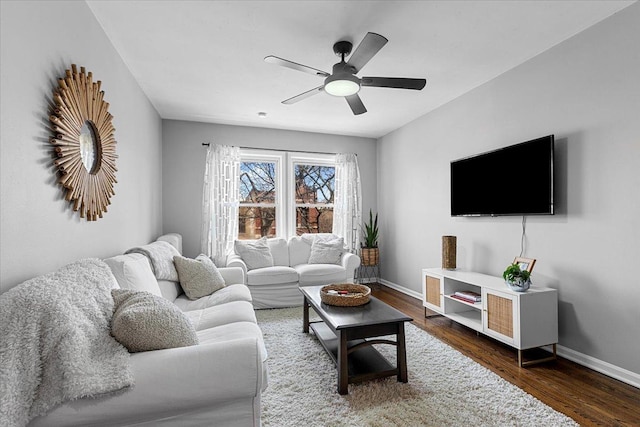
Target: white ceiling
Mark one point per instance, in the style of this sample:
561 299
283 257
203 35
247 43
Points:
203 60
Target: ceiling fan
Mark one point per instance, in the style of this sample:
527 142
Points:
343 81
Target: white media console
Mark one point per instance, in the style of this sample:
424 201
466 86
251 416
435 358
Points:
523 320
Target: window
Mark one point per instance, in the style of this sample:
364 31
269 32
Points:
271 209
259 198
313 202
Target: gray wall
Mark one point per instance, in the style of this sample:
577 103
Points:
184 160
40 40
585 91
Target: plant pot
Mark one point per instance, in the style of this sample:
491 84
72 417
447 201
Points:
518 285
369 256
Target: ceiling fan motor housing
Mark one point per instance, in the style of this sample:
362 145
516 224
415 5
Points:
343 68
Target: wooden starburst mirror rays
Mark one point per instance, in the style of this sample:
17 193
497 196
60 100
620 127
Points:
84 143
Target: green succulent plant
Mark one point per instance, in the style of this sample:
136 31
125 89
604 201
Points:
370 232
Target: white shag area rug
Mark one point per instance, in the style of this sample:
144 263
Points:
445 387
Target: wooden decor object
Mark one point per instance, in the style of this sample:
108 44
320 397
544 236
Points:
449 252
84 143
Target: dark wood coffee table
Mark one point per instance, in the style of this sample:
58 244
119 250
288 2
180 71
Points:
343 332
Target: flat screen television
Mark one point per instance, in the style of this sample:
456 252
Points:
514 180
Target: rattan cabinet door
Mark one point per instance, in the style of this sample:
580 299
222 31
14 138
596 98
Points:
500 316
432 293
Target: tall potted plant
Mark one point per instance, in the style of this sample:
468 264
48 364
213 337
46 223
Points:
369 252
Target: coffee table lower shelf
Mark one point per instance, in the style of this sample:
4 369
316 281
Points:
363 364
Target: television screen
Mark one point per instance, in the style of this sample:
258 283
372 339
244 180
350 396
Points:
515 180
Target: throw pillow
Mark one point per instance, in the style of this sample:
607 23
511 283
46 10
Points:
143 322
198 277
133 271
326 251
256 254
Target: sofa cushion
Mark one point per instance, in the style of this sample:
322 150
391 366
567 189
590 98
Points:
143 322
232 275
234 331
299 251
326 251
198 277
255 254
133 271
279 251
320 274
170 290
229 293
272 275
222 314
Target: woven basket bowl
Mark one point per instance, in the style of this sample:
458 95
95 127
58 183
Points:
358 294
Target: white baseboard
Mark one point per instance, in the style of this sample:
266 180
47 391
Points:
402 289
601 366
598 365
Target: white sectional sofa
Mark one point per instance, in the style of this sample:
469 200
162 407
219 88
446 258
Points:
277 286
215 383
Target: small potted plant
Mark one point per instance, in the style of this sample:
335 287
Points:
369 251
517 279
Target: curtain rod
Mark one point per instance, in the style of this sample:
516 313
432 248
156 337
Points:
206 144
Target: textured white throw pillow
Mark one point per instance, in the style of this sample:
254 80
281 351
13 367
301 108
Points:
326 251
256 254
144 322
198 277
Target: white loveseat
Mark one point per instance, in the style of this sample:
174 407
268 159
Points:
277 286
215 383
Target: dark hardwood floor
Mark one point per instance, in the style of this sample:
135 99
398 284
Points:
590 398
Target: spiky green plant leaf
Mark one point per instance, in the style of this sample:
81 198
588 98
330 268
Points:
371 231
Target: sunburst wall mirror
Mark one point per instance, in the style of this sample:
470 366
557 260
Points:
84 143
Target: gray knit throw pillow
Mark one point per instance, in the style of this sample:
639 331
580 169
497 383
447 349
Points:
198 277
326 251
143 322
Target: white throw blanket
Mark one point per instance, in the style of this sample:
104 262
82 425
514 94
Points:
55 342
160 255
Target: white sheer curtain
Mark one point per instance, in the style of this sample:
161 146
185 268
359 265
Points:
347 203
220 202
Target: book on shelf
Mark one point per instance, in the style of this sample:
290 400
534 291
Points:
468 296
459 298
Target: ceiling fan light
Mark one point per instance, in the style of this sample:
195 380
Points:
345 85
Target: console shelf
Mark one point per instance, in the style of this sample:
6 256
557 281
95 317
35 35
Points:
523 320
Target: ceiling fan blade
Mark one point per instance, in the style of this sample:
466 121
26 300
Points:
303 95
366 50
394 82
295 66
356 104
